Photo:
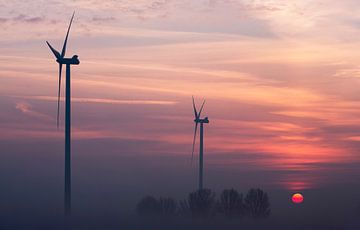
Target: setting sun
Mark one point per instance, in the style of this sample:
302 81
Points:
297 198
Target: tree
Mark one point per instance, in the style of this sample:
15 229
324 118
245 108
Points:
152 206
201 203
231 203
168 206
257 203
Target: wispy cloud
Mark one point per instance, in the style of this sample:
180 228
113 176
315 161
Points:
26 109
27 19
98 100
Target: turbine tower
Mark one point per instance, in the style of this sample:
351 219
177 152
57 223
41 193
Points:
198 120
60 58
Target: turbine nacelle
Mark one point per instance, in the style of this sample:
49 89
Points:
205 120
69 61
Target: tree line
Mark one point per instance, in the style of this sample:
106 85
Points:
204 204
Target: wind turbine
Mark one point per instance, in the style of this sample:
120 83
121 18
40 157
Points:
198 120
60 58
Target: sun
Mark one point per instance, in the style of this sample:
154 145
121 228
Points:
297 198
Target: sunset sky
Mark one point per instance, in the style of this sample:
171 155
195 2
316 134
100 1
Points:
281 80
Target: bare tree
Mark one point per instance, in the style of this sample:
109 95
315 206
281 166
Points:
152 206
201 203
257 203
168 206
231 203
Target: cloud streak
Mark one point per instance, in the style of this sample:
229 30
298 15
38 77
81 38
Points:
100 101
26 109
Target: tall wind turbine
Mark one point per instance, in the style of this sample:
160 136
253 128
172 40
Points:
198 120
60 58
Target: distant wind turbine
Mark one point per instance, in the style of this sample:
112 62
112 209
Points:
198 120
60 58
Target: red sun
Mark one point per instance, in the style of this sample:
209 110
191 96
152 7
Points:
297 198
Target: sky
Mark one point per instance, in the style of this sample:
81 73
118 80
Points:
280 79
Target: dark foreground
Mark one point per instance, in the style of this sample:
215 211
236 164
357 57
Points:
321 210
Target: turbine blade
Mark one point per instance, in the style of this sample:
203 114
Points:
202 106
195 112
194 140
55 52
58 102
66 38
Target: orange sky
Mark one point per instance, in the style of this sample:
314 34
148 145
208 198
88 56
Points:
280 77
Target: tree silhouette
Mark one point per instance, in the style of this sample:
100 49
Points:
168 206
200 203
231 203
257 203
151 206
148 206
